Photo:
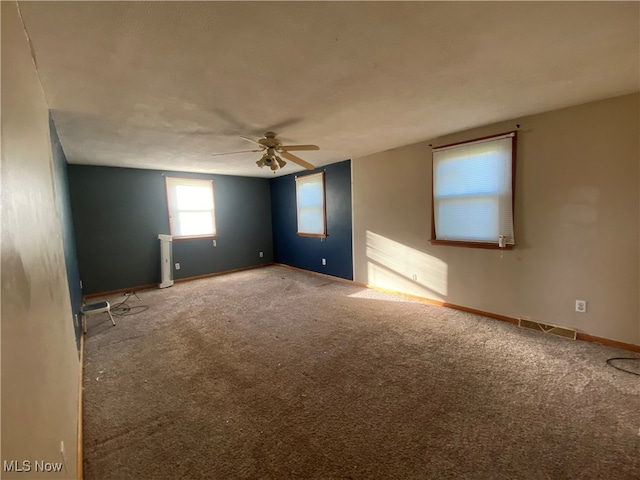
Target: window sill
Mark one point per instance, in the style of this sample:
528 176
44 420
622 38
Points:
313 235
485 245
190 237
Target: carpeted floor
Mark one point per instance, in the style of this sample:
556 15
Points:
273 373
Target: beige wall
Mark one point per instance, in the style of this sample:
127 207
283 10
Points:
577 223
39 356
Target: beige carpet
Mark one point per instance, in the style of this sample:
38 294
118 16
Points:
273 373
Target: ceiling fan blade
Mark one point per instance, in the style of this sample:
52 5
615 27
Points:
233 153
251 140
298 160
293 148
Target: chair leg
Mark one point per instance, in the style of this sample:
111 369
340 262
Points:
111 316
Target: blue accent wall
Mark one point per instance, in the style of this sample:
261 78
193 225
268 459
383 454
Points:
61 183
307 252
119 212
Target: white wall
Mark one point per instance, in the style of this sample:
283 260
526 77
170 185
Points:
39 357
576 219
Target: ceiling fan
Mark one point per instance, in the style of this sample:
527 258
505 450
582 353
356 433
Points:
272 148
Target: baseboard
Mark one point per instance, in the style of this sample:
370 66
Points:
580 335
317 274
225 272
439 303
178 280
120 290
608 342
406 295
79 459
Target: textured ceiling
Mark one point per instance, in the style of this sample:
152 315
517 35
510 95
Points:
166 84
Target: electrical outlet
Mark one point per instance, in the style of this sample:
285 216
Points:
581 306
177 266
261 254
324 261
414 277
214 243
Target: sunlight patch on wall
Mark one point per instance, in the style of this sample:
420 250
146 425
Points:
382 277
395 266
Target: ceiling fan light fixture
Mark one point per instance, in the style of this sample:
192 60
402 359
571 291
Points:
281 162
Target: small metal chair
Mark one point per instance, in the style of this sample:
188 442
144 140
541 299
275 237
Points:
94 308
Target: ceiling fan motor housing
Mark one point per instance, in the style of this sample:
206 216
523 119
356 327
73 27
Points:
270 141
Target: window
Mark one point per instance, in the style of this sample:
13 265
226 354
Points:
191 207
473 192
311 205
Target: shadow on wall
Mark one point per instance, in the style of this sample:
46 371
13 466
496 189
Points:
395 266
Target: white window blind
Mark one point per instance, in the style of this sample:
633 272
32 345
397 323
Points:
311 204
191 207
472 191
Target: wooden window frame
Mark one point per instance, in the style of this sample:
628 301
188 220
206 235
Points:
469 244
178 238
324 208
